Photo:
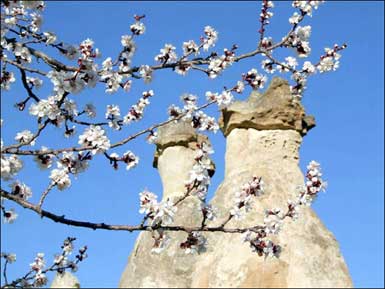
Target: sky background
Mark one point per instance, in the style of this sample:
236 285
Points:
348 140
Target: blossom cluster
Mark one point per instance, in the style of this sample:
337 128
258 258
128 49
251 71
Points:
37 277
306 7
274 218
243 198
189 112
265 15
262 246
211 37
330 61
158 212
94 136
255 79
200 174
218 64
137 110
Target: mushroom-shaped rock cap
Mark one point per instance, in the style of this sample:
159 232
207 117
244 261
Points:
274 109
179 133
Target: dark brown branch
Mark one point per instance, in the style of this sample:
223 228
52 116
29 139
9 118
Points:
102 226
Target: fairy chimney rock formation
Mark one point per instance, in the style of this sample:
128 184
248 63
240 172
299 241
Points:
174 159
263 137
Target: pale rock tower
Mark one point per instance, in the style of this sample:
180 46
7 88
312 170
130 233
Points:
263 136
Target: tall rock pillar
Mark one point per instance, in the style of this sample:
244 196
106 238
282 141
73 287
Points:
174 158
264 134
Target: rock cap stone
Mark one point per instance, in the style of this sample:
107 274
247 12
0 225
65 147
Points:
179 133
274 109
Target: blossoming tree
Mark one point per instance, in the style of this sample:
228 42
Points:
25 48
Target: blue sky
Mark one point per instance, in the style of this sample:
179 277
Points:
348 140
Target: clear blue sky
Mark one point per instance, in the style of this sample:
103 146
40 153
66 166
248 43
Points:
348 140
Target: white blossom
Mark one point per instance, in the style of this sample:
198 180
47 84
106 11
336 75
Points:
21 190
60 178
308 67
138 28
44 161
113 81
167 54
94 137
190 47
148 202
10 166
223 100
130 159
294 19
25 137
46 108
10 216
306 6
291 62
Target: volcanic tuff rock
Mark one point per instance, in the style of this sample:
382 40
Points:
263 134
